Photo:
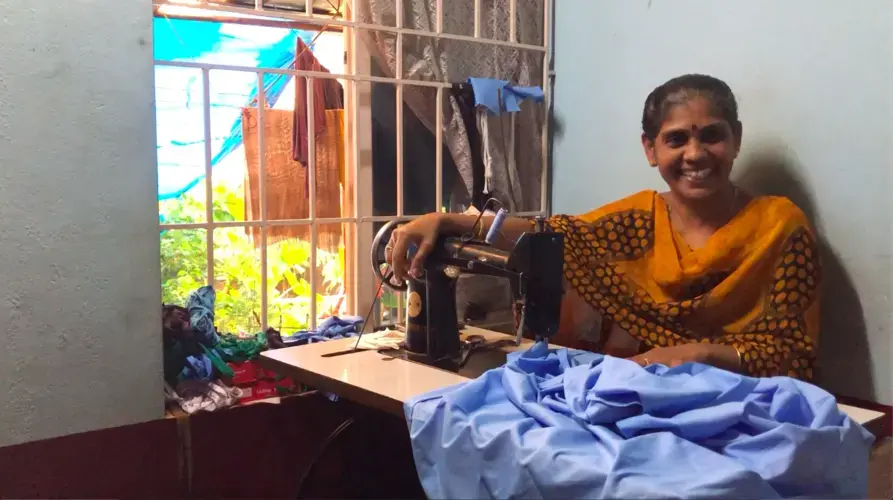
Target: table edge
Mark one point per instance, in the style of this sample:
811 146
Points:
340 388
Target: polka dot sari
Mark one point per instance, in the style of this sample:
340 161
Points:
753 285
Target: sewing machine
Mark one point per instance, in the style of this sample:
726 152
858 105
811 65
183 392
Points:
533 268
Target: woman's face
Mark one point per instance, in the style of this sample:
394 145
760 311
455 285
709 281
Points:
694 150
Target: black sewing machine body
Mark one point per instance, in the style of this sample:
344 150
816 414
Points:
534 268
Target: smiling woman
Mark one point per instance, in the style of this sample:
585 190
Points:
691 132
701 273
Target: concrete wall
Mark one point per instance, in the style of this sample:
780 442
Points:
80 347
814 79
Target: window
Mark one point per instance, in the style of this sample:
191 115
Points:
285 241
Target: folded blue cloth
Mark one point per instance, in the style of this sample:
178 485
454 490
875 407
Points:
335 325
569 424
331 328
488 91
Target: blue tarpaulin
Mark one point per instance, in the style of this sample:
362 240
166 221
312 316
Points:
572 424
179 113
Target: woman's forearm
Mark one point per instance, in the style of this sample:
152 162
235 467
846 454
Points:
718 355
459 224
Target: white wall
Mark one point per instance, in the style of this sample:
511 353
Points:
814 79
80 347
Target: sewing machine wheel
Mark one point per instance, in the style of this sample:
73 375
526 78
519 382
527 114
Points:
380 266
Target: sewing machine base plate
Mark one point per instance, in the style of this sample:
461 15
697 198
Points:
475 357
448 364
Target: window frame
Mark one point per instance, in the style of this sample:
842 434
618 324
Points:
359 282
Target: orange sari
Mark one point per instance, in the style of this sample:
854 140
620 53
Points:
754 285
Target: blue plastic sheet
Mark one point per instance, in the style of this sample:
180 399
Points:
570 424
179 94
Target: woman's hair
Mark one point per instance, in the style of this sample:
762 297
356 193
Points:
683 88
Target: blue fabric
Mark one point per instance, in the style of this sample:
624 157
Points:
487 92
569 424
331 328
197 368
200 304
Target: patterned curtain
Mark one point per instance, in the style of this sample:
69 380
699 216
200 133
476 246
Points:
431 59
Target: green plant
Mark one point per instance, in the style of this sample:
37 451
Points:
237 268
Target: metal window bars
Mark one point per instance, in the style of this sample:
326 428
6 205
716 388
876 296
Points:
358 137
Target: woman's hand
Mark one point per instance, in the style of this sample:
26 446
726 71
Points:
674 356
720 356
422 233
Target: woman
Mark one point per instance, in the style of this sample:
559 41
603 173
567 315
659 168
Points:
703 272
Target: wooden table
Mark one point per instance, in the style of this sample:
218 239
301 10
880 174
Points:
385 383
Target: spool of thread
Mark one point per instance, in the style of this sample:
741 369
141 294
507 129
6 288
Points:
496 226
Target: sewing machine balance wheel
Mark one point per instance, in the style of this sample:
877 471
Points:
380 266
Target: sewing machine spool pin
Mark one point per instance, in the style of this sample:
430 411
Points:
539 223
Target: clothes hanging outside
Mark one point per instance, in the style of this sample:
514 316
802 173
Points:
286 186
574 424
180 122
327 95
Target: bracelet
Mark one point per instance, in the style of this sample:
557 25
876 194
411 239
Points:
740 358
